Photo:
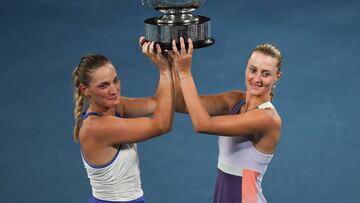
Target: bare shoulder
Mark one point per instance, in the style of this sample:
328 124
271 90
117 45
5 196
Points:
95 128
87 131
265 120
269 125
272 119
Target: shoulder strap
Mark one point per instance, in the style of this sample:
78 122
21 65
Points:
237 107
266 105
87 114
117 114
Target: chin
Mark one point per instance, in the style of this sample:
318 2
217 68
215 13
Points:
257 93
112 103
115 103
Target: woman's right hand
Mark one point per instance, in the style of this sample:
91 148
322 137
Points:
158 57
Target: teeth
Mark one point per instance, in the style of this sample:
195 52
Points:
253 85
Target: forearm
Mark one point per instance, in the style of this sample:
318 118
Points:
164 111
198 113
214 104
180 105
138 107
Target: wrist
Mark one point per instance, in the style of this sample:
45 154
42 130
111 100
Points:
166 72
182 75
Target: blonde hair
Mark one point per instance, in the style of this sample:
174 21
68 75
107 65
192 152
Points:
82 75
273 51
269 50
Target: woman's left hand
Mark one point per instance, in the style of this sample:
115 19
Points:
158 57
182 60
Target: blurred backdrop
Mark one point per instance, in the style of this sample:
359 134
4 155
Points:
318 157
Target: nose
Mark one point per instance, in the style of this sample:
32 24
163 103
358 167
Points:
113 89
257 78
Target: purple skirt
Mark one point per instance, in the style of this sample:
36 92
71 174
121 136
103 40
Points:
228 188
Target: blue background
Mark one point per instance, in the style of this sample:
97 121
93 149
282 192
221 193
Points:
317 160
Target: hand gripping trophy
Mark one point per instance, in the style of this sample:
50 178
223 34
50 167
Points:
177 21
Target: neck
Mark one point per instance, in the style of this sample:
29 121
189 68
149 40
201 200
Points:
254 101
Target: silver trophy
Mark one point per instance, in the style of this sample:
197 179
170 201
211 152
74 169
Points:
177 21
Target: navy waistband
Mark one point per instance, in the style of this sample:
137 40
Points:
95 200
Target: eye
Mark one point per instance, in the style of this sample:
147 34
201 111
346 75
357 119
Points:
102 86
266 74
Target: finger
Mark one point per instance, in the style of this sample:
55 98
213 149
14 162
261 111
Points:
141 40
158 48
174 47
171 54
182 45
191 47
151 48
145 48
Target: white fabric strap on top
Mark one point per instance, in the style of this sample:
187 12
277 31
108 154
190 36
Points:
266 105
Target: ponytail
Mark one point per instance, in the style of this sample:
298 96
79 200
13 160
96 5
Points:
79 103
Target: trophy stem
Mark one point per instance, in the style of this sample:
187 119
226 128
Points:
178 16
182 19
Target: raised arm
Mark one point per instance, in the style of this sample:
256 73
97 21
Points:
144 106
257 121
216 104
112 130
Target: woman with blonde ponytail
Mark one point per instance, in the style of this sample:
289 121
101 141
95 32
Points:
108 125
247 123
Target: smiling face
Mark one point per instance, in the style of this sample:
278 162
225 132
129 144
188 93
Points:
261 74
104 87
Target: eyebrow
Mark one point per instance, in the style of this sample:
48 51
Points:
266 70
106 83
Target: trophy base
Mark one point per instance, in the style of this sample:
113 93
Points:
163 34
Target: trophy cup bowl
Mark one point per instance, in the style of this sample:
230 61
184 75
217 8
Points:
177 21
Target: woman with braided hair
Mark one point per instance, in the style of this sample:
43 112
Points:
110 127
247 123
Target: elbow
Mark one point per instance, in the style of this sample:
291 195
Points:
165 127
197 130
203 125
162 123
199 127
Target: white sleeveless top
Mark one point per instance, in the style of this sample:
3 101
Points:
237 154
118 180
